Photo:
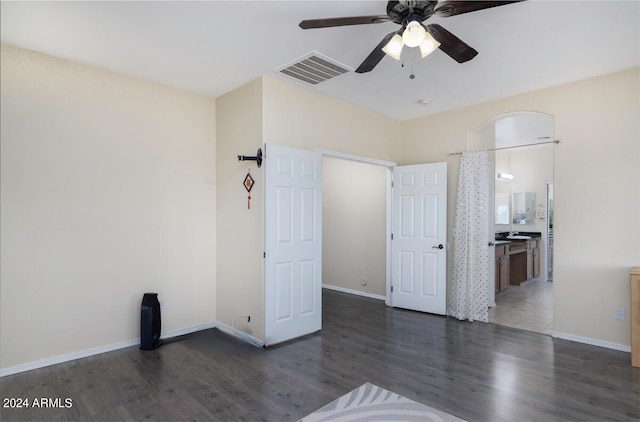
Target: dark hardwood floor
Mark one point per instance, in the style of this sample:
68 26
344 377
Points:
476 371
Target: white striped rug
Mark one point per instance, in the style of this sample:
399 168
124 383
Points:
372 403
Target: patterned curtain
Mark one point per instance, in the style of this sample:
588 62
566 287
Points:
468 290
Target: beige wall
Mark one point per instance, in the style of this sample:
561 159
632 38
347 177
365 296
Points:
300 118
275 112
240 245
354 217
107 192
596 190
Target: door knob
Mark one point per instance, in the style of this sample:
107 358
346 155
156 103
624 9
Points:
440 246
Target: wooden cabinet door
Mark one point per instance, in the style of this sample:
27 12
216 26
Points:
504 273
536 262
529 264
497 286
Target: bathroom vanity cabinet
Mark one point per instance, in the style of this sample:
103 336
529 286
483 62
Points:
517 259
524 260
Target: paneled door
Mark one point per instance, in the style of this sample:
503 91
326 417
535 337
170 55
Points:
293 243
419 237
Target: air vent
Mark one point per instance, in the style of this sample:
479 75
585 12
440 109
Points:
313 69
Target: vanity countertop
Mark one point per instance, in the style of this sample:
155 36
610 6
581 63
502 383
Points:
502 236
502 242
533 235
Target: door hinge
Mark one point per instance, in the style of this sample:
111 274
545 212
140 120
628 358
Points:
264 254
391 236
391 288
393 184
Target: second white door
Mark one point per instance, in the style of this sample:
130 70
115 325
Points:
419 238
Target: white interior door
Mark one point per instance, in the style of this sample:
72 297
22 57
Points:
419 238
293 243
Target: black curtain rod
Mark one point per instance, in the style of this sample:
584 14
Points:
557 141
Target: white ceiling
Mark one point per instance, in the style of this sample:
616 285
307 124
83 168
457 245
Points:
212 47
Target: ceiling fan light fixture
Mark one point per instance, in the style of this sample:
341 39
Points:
414 34
409 15
428 45
394 47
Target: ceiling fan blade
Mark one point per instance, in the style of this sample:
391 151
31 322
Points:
353 20
375 56
451 8
457 49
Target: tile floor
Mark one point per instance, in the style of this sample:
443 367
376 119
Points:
528 307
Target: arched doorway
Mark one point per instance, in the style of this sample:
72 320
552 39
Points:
520 145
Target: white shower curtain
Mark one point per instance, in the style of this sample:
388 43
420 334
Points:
468 290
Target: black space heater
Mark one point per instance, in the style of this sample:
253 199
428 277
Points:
150 322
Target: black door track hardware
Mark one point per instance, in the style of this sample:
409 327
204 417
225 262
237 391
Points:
257 158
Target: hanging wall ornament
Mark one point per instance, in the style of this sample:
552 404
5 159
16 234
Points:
248 184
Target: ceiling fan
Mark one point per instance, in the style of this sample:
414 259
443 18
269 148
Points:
410 14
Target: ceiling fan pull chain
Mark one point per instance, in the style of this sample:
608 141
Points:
412 75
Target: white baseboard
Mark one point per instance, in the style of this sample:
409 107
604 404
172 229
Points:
592 341
188 330
246 337
98 350
353 292
240 334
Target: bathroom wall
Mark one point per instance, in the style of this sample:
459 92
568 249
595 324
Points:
502 160
532 167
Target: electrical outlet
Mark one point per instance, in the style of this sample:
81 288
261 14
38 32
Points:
620 314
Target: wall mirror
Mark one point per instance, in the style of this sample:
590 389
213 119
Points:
523 206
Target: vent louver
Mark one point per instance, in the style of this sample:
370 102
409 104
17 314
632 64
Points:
313 69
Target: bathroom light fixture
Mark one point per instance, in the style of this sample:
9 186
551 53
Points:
504 176
414 35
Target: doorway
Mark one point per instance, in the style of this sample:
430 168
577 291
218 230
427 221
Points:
354 215
523 149
295 235
294 232
369 253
